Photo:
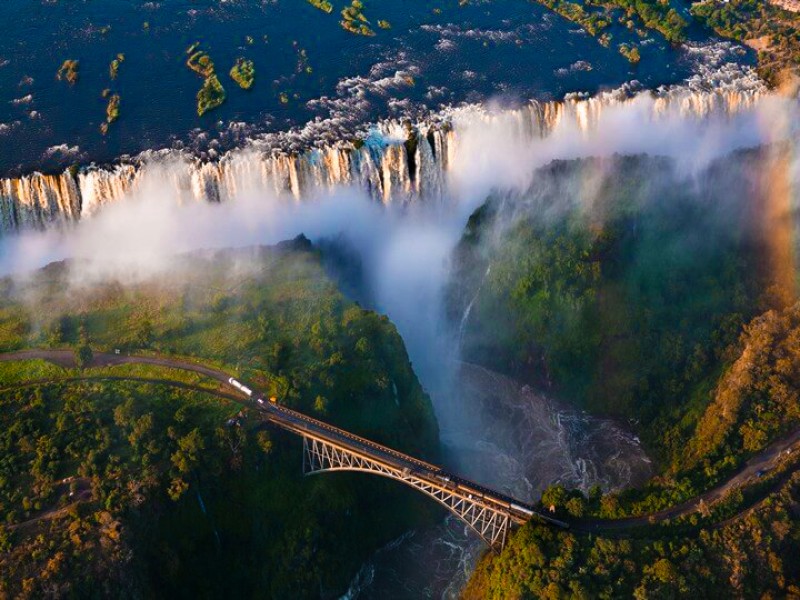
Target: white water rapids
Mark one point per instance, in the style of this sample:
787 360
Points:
512 439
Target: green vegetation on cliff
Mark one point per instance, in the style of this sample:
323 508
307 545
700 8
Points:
757 556
624 297
756 399
141 488
635 292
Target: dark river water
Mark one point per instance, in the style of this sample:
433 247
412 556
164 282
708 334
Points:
436 53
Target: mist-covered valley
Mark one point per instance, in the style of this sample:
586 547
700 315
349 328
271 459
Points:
567 278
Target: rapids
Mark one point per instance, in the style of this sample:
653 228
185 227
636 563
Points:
509 437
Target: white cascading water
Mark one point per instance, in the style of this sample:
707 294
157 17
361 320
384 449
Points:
394 164
462 326
38 201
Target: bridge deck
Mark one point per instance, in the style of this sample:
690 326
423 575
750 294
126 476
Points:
304 425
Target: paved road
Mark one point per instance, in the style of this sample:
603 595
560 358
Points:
66 358
298 422
153 380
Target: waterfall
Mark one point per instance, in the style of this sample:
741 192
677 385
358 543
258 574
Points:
430 170
38 201
462 327
102 186
395 163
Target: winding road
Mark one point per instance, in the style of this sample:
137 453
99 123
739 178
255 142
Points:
66 358
752 469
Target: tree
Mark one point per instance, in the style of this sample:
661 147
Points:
83 356
5 539
554 495
264 328
264 442
576 506
189 448
60 331
144 332
141 427
279 355
321 405
177 488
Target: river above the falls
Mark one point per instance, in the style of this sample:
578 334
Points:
312 77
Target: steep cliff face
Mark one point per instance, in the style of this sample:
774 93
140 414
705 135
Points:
395 163
38 201
618 282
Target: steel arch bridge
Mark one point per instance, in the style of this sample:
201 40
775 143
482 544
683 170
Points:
488 520
329 449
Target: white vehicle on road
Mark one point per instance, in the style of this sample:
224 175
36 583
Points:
240 386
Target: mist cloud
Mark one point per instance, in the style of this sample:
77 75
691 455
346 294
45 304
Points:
491 153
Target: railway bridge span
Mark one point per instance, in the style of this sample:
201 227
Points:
327 448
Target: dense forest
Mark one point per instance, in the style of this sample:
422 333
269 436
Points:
756 556
626 298
146 489
660 303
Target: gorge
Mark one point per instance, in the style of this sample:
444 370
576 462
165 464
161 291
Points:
401 198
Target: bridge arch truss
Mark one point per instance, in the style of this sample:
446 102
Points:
489 521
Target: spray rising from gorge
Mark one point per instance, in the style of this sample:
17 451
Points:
400 198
